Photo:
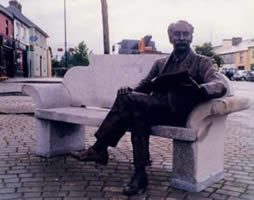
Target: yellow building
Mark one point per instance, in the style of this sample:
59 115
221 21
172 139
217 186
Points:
251 58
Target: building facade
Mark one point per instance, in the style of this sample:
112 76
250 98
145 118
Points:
30 45
6 43
237 53
38 53
241 61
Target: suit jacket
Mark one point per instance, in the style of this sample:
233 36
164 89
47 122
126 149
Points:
199 67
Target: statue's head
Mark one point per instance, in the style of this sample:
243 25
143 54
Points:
180 35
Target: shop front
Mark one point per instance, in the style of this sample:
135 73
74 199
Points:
21 59
7 67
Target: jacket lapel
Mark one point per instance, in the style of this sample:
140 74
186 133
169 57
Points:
163 67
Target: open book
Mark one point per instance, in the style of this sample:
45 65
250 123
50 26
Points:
174 81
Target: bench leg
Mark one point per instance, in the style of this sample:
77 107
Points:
55 138
199 164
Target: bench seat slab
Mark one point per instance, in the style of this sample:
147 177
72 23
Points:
94 117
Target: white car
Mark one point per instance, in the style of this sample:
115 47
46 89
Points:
240 75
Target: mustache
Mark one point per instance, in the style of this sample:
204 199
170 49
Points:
182 44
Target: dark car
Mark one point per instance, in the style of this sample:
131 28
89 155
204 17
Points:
250 76
228 72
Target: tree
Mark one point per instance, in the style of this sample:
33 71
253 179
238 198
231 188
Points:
55 63
80 55
68 55
207 50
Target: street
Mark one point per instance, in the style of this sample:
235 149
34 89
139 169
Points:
24 176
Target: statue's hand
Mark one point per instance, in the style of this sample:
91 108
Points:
124 90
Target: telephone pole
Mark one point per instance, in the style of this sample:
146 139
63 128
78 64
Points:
104 9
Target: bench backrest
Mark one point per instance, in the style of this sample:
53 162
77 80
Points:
97 84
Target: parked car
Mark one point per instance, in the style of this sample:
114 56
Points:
250 76
228 72
240 75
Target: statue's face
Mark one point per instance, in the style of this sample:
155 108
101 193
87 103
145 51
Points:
181 37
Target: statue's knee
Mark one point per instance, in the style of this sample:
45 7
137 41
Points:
126 98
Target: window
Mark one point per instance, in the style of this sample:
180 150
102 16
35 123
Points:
252 53
18 30
7 27
241 57
23 32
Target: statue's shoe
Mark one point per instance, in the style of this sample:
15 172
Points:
91 155
137 185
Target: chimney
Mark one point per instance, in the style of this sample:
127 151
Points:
15 4
226 43
236 40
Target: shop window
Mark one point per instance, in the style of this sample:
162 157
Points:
240 67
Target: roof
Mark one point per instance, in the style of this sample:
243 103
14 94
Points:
242 46
17 14
5 11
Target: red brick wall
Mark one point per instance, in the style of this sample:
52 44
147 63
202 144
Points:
3 19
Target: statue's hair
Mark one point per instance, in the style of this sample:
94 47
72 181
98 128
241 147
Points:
172 26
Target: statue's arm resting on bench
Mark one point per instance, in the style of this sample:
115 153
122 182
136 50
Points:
199 117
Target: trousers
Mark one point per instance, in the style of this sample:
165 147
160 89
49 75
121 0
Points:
136 112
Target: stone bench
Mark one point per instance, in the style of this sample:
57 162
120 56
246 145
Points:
87 93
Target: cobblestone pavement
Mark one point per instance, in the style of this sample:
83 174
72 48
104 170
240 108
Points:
24 176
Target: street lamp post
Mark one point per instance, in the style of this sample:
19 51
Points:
65 38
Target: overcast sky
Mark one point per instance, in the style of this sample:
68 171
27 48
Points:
213 20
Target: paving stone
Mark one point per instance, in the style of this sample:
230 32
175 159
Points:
217 196
32 194
247 196
234 198
228 192
7 190
29 189
77 194
12 196
250 191
235 189
196 197
236 184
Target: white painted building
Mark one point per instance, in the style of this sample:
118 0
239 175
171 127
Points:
38 53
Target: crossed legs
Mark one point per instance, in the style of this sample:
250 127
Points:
135 112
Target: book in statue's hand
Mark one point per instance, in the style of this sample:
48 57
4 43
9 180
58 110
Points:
174 81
